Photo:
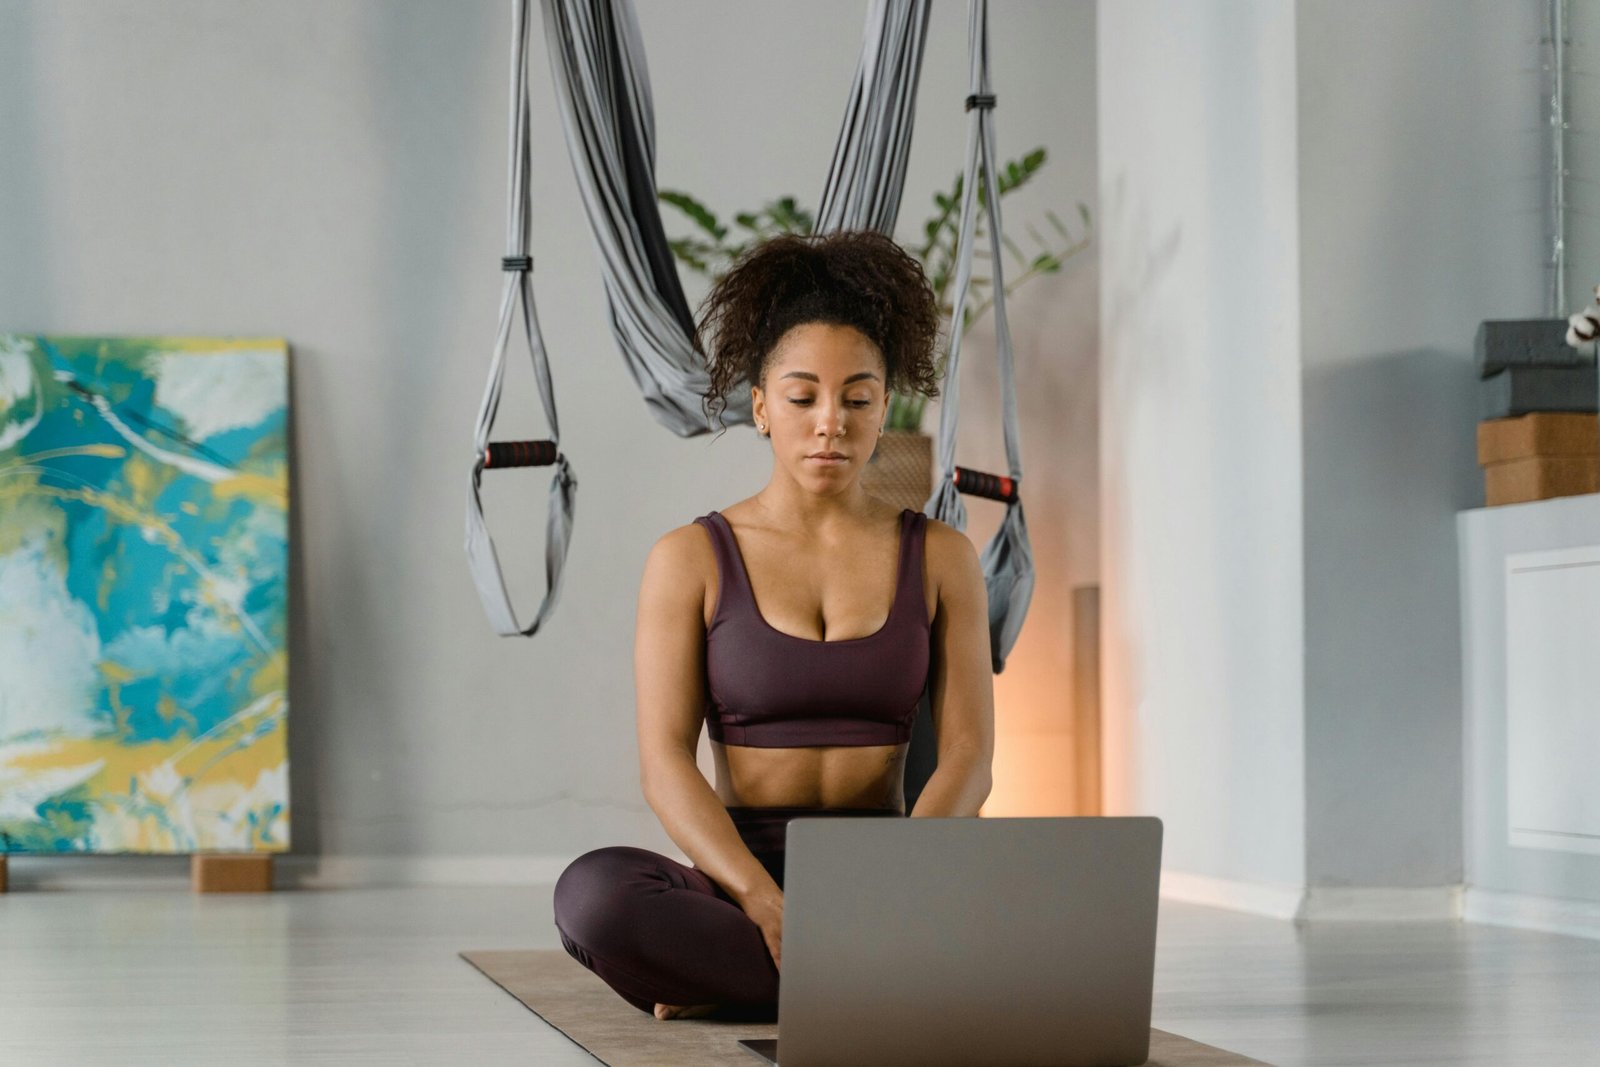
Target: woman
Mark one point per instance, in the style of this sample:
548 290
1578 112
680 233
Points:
768 621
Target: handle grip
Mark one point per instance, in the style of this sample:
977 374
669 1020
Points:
519 454
992 486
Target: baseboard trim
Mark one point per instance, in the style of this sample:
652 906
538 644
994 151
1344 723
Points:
348 872
60 872
1317 903
55 871
1554 915
1433 903
1275 901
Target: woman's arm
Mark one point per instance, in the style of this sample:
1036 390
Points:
961 688
669 685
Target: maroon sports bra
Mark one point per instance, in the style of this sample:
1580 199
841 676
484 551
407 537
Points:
769 689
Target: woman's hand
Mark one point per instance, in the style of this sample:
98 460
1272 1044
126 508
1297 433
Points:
765 909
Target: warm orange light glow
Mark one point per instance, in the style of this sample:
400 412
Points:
1118 700
1035 756
1032 776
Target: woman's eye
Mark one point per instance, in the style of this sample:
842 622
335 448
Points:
853 403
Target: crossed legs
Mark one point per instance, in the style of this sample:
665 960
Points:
657 931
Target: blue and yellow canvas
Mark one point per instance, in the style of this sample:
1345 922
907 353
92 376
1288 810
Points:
144 500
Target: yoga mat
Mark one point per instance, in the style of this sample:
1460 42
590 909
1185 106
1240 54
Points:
574 1000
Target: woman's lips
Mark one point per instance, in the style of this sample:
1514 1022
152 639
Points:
828 461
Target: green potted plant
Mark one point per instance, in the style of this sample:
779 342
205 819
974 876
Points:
902 466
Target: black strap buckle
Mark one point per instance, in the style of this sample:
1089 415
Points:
516 263
980 100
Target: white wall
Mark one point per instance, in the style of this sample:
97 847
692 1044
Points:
1200 434
1310 209
334 173
1422 187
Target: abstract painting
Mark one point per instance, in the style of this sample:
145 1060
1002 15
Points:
144 537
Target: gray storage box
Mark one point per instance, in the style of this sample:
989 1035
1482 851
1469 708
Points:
1520 390
1503 343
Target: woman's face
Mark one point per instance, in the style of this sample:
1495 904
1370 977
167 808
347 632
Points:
825 394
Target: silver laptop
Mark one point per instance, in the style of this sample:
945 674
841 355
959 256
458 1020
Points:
1005 942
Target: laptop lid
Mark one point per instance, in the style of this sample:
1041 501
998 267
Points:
1008 942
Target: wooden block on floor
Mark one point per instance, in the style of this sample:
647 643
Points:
1540 478
1542 433
231 872
2 874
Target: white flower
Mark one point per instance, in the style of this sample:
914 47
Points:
1584 326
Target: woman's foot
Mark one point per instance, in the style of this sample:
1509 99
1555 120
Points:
683 1011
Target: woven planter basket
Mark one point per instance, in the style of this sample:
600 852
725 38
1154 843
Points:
901 469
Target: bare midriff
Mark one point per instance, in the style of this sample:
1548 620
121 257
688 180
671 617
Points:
841 776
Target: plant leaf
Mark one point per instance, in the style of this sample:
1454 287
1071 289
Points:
696 211
1011 246
685 252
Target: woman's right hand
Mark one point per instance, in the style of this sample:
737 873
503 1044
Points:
765 909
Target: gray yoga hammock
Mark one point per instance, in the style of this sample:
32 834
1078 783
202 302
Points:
1008 557
602 88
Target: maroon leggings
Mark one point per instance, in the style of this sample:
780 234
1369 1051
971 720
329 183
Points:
658 932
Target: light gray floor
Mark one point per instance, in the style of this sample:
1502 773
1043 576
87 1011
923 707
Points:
97 976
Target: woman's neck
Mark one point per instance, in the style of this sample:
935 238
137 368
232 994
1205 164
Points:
786 504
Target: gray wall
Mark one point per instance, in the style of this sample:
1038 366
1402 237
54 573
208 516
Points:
1582 157
1422 182
333 172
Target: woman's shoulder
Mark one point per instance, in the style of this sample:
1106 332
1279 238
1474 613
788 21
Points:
679 573
691 544
950 555
683 544
945 534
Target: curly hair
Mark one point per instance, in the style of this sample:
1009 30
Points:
858 278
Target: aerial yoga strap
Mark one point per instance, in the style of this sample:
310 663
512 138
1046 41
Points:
602 86
1008 558
518 266
868 172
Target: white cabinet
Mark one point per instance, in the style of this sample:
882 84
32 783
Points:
1552 650
1530 607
